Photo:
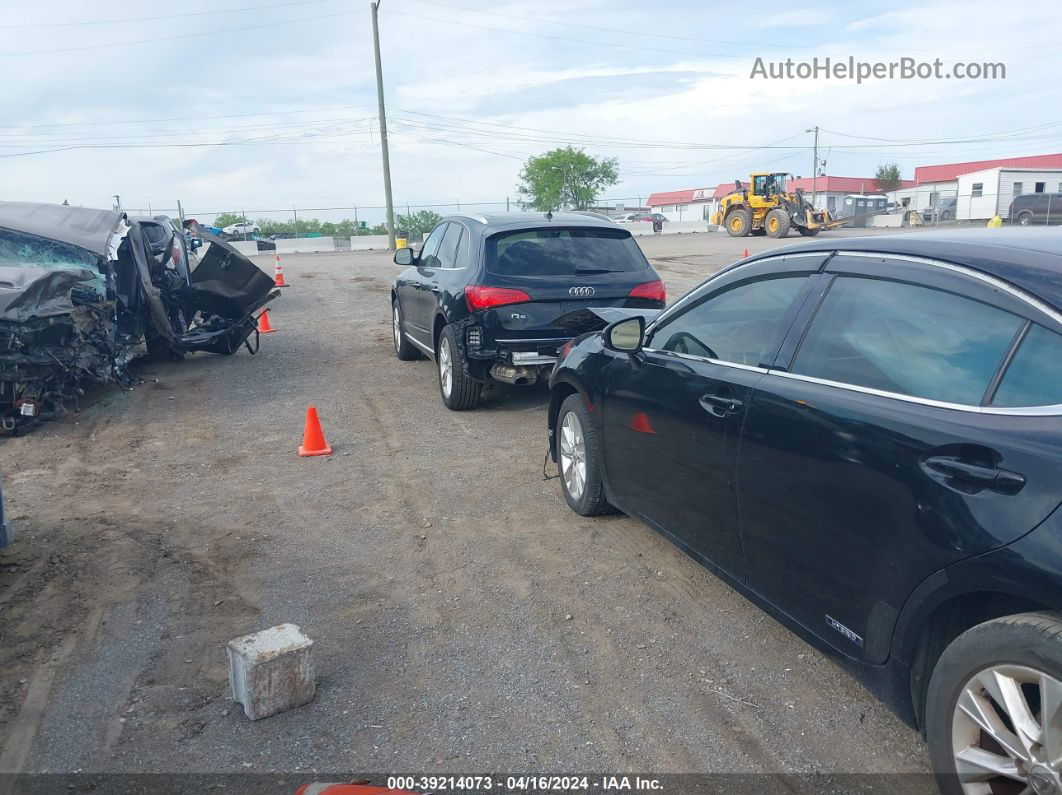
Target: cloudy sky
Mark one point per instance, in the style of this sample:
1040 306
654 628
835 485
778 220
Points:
271 104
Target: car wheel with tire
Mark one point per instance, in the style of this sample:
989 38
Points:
404 349
738 223
579 459
1024 219
459 390
994 708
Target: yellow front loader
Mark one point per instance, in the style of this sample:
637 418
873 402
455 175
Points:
765 207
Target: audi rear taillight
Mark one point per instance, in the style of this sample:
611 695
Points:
652 291
489 297
565 349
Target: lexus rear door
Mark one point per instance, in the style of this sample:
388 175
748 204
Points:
894 435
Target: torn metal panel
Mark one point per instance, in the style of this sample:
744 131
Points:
27 293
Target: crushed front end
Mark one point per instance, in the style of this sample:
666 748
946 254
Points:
57 328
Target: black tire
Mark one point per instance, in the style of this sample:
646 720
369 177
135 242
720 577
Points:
807 231
404 349
464 390
1025 218
1028 640
738 223
591 500
777 223
945 215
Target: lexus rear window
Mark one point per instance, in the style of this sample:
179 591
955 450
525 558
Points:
563 252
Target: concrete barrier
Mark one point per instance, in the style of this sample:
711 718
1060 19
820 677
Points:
670 228
245 247
892 220
306 245
369 242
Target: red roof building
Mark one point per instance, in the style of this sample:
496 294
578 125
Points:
845 185
952 171
690 196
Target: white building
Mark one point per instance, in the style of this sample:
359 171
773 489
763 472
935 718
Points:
979 189
694 204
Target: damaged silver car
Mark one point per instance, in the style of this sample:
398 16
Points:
81 288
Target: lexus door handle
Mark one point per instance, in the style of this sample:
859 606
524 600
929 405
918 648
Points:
719 405
991 478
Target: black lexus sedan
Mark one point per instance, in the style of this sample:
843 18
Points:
482 296
864 436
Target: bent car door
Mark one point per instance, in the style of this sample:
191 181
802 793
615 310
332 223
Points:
673 411
872 456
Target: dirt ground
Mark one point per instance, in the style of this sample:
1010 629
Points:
463 618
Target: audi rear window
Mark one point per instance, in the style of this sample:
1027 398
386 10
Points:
563 251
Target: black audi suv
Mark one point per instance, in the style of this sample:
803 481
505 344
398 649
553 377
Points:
865 437
483 294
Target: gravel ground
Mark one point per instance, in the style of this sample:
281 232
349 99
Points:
464 619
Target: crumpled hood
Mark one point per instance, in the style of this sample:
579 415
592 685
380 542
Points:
38 292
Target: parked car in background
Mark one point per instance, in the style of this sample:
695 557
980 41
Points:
865 437
1036 209
245 228
483 295
80 288
945 211
635 218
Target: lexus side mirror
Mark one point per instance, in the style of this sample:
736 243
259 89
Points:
404 256
625 336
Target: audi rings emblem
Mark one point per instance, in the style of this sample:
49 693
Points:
581 292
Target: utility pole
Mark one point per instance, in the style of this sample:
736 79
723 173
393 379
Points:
815 165
117 202
375 7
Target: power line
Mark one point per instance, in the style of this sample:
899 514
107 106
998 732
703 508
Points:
195 35
125 20
196 120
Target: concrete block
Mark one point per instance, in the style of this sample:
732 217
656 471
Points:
271 671
369 242
305 245
245 247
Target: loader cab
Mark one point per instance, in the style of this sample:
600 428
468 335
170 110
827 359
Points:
768 185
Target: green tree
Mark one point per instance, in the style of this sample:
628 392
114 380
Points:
887 177
417 223
228 219
566 178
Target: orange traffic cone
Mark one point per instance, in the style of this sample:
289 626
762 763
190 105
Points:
746 253
278 274
263 323
313 441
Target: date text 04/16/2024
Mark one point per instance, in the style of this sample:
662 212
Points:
525 783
